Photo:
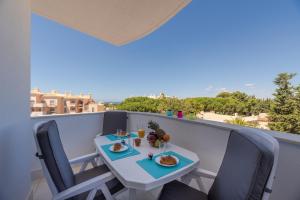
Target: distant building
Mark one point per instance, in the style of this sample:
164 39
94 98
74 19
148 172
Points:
160 96
57 103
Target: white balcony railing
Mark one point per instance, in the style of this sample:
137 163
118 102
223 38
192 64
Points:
208 139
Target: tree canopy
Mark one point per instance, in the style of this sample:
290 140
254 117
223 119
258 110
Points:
229 103
285 110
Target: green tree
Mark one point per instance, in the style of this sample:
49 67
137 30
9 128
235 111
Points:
224 94
170 103
283 114
297 102
240 96
237 102
139 104
192 106
262 106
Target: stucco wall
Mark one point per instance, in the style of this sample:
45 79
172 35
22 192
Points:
77 133
15 146
208 139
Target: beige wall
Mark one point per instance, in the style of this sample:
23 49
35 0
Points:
101 108
60 109
56 103
94 108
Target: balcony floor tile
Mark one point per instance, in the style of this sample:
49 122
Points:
41 191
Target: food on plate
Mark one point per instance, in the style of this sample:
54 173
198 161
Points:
122 133
168 160
117 147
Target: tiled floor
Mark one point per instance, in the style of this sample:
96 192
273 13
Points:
41 191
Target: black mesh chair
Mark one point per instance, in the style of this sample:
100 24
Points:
246 173
114 120
95 183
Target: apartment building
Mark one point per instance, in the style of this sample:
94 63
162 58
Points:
60 103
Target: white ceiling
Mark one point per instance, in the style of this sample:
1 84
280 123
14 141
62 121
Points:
115 21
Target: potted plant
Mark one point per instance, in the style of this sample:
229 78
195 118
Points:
169 113
179 114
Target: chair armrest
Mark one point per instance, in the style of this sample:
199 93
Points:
85 158
199 172
99 134
84 186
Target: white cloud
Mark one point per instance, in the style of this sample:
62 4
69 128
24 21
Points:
209 88
250 85
223 90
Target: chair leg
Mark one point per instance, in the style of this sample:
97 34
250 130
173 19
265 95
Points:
106 192
94 163
119 192
83 166
92 194
132 194
186 179
200 184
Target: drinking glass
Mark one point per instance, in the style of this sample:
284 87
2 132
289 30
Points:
130 142
118 134
137 142
140 130
161 147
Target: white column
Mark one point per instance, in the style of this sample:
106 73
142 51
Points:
15 132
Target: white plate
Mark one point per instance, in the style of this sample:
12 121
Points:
123 148
157 160
121 135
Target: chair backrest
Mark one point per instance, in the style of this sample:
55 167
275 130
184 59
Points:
114 120
248 168
56 166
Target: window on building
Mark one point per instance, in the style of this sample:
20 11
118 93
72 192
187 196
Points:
52 110
52 102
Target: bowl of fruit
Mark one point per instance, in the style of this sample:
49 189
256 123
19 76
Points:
157 135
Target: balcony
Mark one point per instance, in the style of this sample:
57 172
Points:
20 171
71 104
208 139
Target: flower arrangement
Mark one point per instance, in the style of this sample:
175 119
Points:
157 135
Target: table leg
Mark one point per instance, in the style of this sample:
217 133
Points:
132 194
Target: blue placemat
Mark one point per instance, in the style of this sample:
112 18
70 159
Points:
113 137
157 171
116 156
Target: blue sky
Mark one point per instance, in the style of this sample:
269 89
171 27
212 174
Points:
210 46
